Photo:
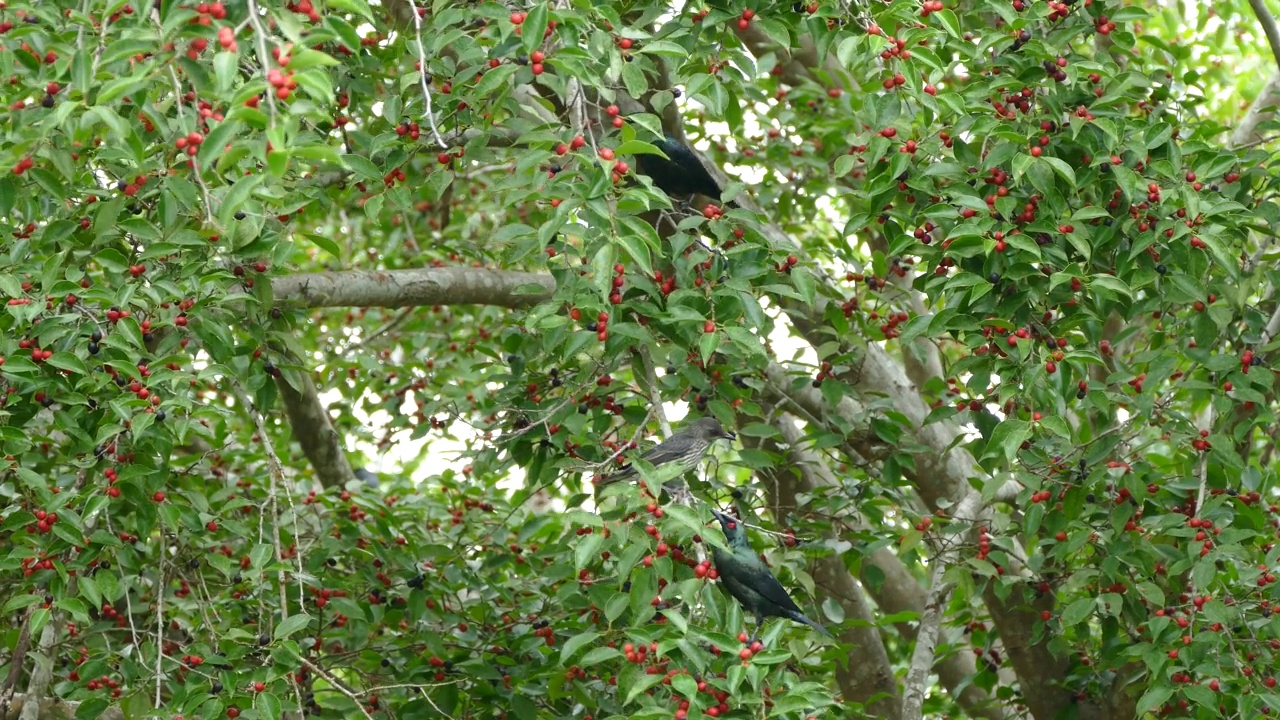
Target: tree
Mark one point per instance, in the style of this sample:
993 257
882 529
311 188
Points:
992 317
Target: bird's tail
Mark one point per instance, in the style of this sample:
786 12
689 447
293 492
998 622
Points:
801 618
618 476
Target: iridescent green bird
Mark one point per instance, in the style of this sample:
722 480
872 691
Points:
745 576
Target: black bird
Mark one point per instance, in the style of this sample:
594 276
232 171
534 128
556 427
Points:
684 448
680 176
750 582
369 478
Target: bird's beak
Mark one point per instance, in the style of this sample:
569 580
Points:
730 435
725 520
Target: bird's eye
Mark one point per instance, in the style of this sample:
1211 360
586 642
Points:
733 525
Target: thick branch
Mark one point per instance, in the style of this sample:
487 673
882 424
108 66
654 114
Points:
55 709
799 64
309 421
922 658
408 288
1262 110
891 585
866 675
896 591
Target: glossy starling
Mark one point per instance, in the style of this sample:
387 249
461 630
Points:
679 176
745 576
684 448
369 478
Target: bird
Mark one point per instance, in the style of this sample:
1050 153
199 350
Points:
680 174
369 478
684 448
749 581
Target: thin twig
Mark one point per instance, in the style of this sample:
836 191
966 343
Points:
1204 464
195 162
159 591
264 58
641 355
276 476
340 686
422 76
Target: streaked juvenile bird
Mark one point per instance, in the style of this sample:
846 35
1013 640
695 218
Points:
685 448
750 582
681 175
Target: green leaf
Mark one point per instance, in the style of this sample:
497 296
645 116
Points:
685 685
534 27
1078 611
642 683
1111 283
361 166
19 602
1062 169
270 704
67 362
112 90
707 345
89 590
1153 699
92 707
292 625
599 655
949 22
304 58
575 643
1009 436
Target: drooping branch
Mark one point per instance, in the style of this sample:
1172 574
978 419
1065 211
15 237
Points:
410 288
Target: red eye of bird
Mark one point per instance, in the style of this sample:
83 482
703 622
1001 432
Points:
733 525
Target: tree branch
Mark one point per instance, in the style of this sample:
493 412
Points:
1262 110
891 585
866 676
309 421
922 658
52 708
1269 28
406 288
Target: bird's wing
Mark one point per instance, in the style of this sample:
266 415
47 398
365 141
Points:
730 568
769 588
659 454
701 178
622 474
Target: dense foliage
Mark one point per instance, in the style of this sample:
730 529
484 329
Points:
992 311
